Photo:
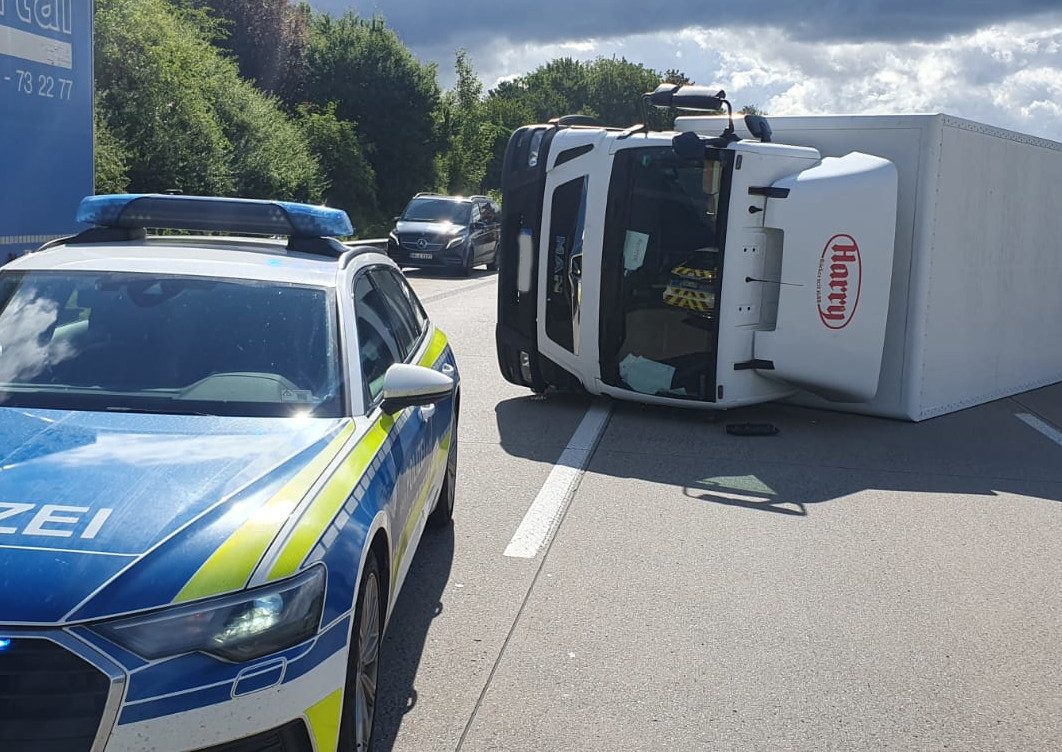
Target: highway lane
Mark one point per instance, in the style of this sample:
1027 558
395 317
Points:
850 583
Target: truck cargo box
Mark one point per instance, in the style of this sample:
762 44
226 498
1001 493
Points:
975 310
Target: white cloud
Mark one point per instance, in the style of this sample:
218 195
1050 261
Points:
1008 75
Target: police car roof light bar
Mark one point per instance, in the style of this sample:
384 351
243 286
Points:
213 214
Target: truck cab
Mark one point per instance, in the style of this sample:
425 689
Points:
689 269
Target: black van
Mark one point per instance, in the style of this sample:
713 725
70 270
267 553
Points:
451 232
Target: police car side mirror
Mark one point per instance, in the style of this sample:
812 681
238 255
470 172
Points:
406 385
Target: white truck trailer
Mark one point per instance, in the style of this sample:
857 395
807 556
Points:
897 265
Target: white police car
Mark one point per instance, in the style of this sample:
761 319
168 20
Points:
219 454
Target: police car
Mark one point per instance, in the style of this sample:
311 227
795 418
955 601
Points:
219 453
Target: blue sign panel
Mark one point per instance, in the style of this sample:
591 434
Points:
45 119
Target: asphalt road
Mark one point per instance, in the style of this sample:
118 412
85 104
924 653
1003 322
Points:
850 583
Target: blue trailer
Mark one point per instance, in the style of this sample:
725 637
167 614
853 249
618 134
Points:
46 126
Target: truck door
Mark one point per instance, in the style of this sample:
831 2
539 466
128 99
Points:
560 273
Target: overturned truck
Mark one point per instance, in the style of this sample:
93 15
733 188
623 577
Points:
897 265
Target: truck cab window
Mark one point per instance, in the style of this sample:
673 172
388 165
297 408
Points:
564 272
660 271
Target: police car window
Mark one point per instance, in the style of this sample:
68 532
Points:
153 343
397 296
378 348
399 322
414 303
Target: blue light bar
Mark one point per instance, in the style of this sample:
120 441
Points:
5 644
211 214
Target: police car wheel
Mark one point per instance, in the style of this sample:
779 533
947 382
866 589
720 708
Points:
363 664
443 514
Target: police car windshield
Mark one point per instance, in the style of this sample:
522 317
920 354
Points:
437 210
167 344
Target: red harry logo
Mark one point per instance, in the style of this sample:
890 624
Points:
839 280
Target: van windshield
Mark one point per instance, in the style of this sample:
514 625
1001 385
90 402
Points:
437 210
167 344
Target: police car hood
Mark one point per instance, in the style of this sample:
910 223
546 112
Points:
111 513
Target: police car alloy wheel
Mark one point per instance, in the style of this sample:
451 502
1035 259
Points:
363 668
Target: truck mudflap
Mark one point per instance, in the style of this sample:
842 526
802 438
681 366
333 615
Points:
838 224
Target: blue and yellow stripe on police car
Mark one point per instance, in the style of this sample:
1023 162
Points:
233 563
315 521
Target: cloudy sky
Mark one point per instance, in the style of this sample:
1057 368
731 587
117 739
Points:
998 62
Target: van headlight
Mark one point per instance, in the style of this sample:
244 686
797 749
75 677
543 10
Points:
456 240
237 627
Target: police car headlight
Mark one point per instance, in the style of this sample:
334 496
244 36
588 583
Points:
236 627
456 240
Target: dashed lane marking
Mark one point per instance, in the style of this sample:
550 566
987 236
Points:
546 511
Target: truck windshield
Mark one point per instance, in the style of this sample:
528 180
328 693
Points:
167 344
661 264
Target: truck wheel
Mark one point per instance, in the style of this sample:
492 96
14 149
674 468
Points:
443 514
363 664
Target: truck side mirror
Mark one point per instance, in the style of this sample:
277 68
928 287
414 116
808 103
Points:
759 127
688 145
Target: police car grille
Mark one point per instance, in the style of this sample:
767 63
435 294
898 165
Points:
50 699
291 737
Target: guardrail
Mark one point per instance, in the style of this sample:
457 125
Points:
379 244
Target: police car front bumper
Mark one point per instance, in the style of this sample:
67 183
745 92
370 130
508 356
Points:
74 690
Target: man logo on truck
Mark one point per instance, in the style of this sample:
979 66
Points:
840 277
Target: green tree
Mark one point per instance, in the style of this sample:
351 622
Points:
363 67
269 41
555 89
352 182
270 155
109 154
186 118
467 137
503 111
614 91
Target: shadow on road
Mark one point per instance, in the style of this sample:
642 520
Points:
418 604
817 455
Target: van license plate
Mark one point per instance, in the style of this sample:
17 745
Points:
420 255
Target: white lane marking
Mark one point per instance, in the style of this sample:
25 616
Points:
546 511
1045 428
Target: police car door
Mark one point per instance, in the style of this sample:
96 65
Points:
564 335
385 337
